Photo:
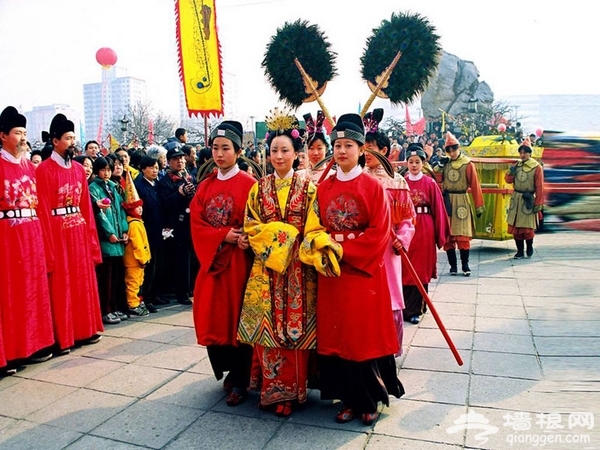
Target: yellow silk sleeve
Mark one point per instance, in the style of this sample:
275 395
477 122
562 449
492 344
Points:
318 249
271 242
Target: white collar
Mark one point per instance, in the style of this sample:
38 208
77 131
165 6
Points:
60 160
417 177
9 157
229 175
152 182
356 171
290 174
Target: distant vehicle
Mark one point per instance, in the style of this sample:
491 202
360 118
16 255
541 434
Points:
572 179
571 164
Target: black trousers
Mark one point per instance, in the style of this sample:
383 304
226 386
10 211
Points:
111 284
359 385
235 360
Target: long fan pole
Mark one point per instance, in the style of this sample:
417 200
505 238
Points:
385 76
313 90
434 313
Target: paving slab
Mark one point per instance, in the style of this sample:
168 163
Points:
149 424
226 431
527 330
509 365
93 408
503 343
22 434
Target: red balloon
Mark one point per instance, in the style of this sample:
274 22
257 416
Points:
501 128
539 132
106 57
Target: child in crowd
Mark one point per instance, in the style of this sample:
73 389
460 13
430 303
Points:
137 250
112 226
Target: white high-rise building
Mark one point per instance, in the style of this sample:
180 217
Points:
110 100
39 118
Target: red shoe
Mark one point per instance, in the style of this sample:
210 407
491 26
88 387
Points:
369 418
344 416
235 397
283 409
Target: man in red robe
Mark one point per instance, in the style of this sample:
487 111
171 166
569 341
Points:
71 239
25 317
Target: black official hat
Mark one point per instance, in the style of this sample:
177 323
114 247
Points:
229 129
349 126
60 125
416 149
10 118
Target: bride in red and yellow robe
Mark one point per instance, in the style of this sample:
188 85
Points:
278 315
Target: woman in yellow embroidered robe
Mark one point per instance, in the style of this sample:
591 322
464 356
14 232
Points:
278 314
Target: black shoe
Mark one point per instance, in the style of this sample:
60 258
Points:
464 261
7 371
415 320
121 315
60 351
519 255
111 319
452 261
184 301
529 251
94 339
160 301
150 307
139 311
41 356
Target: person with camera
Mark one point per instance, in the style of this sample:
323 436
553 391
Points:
527 177
175 191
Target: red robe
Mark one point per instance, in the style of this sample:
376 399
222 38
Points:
354 310
74 249
217 207
25 317
432 229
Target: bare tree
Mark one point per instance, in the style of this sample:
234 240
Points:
143 124
393 127
195 128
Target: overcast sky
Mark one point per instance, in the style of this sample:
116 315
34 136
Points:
47 48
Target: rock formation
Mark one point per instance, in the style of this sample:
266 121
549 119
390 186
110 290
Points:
455 85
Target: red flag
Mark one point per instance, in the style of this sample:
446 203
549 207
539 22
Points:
409 126
328 125
419 126
99 135
150 132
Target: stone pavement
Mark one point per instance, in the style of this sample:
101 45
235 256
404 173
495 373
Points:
527 331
